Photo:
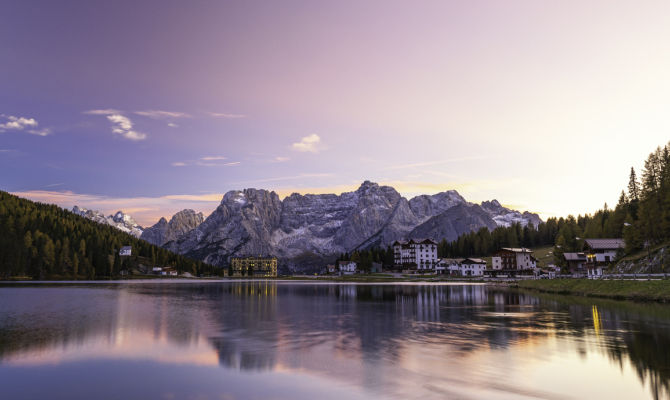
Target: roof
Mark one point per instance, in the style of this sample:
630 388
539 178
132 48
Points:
474 261
126 248
346 262
452 260
605 244
516 249
414 241
574 256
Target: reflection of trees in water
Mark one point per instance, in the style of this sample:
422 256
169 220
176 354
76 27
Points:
257 325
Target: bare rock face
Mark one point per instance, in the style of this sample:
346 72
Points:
455 221
505 217
180 223
242 224
256 222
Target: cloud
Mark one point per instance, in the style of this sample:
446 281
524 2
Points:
12 123
286 178
121 125
160 114
39 132
311 144
226 115
207 161
104 111
172 125
281 159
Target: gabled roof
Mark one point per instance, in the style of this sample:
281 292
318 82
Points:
517 249
474 261
414 241
126 248
574 256
605 244
452 260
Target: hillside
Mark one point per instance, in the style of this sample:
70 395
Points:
43 241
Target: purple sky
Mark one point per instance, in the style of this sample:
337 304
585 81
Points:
154 106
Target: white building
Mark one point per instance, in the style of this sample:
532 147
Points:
449 266
472 267
347 267
125 251
509 258
421 254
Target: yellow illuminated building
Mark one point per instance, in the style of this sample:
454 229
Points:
254 266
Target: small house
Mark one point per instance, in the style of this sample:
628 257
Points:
600 253
347 267
126 251
472 267
331 269
575 261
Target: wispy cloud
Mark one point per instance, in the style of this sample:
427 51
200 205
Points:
55 184
226 115
310 144
121 125
161 114
172 125
286 178
39 132
8 151
28 125
207 161
102 111
281 159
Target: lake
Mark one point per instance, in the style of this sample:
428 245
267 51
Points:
293 340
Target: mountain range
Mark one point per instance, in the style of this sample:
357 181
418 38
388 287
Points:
121 221
257 221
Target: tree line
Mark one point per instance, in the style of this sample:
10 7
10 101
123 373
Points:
44 241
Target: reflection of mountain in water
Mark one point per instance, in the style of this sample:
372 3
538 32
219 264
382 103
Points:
259 326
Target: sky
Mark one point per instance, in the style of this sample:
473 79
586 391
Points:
154 106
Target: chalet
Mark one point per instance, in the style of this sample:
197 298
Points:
331 269
126 251
347 267
420 254
600 253
575 261
513 259
169 271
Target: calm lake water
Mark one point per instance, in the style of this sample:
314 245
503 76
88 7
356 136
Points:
286 340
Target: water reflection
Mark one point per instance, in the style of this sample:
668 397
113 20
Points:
367 341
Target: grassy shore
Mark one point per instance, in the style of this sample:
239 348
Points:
614 289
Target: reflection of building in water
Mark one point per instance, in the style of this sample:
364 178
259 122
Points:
254 266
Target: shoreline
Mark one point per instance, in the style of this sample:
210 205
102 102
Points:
638 291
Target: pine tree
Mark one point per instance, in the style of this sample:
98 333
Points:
633 186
